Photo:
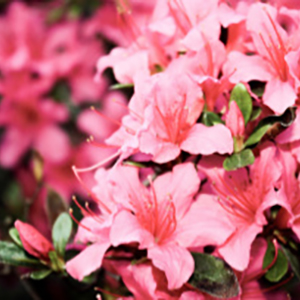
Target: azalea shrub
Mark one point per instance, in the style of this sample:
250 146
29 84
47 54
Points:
150 149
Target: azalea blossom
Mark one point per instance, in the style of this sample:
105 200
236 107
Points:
244 197
163 219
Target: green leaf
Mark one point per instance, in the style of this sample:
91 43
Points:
240 95
211 119
214 277
55 205
255 113
40 274
280 267
293 258
284 120
61 233
15 236
57 264
119 86
12 254
239 160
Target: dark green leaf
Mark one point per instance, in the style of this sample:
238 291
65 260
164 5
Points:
293 258
211 119
15 236
284 120
280 267
119 86
243 99
61 232
239 160
12 254
214 277
41 274
55 205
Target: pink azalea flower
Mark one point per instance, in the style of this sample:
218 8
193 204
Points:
272 43
33 242
163 219
244 198
172 115
32 124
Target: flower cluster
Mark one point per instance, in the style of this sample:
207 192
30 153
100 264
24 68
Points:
203 156
196 191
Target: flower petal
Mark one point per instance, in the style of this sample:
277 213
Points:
175 261
87 261
207 140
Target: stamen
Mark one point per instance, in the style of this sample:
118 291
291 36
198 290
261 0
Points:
140 118
77 222
92 214
84 212
96 166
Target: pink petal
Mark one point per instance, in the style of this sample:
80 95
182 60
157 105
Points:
87 261
13 145
49 140
181 184
162 151
175 261
279 95
126 229
192 295
241 67
227 15
139 279
236 251
207 140
204 224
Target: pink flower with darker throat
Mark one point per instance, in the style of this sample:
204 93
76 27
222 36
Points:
165 219
244 197
272 43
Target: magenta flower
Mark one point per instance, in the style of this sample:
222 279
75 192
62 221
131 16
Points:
166 220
